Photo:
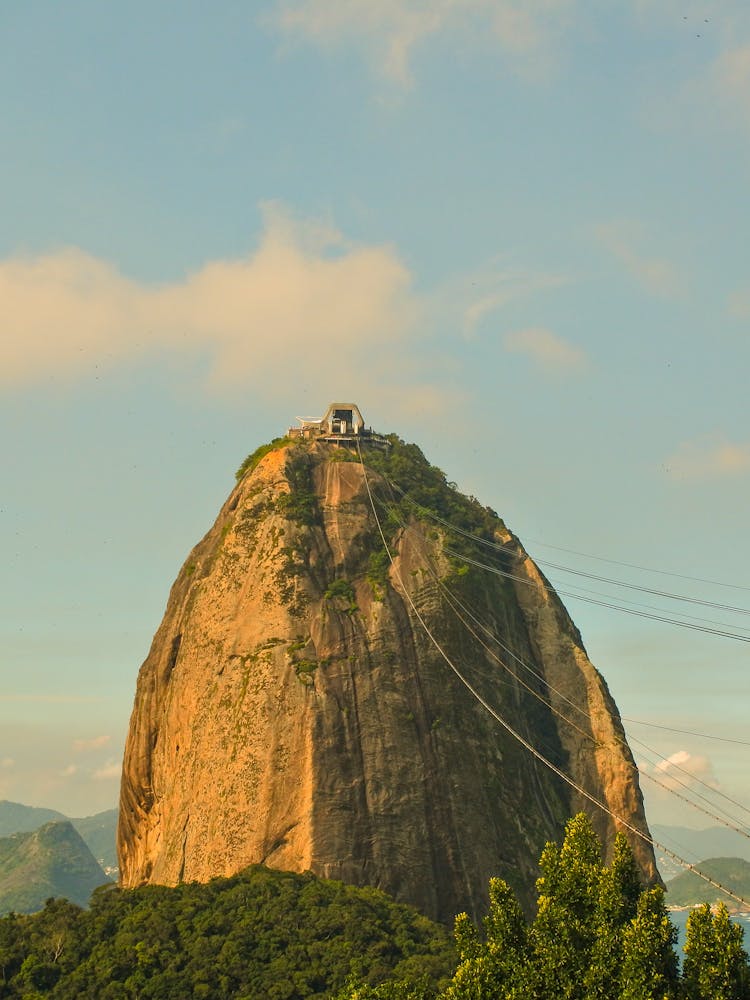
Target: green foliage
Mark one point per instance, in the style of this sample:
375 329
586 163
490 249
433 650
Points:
53 860
598 935
342 590
648 968
417 489
498 966
300 504
260 934
426 486
565 930
254 458
716 965
378 565
618 894
342 454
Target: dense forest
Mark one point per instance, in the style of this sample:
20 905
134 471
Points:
598 934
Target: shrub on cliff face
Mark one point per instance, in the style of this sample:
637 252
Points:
254 457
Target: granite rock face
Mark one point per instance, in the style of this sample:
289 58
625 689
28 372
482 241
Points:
294 709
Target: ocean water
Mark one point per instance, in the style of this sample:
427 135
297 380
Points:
679 919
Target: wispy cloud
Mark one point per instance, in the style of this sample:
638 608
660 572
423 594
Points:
492 288
389 32
85 746
112 769
739 304
546 349
709 457
6 763
681 769
69 771
624 240
307 306
730 77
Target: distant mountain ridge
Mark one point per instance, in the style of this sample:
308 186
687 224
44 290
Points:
17 818
98 831
50 861
689 889
696 845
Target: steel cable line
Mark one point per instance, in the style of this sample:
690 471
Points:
728 820
684 621
731 822
625 603
517 736
645 590
687 732
605 604
644 569
566 569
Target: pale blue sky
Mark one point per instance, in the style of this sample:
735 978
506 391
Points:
515 233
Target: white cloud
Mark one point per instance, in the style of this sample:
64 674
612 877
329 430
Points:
709 457
739 304
390 31
546 349
306 306
112 769
681 770
84 746
623 240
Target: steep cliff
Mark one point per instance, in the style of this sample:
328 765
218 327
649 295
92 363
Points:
294 710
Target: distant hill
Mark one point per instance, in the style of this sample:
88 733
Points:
689 890
16 818
713 842
692 845
99 831
51 861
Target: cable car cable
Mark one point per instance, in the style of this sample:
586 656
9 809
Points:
525 743
731 822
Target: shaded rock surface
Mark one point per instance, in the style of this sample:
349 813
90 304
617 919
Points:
293 709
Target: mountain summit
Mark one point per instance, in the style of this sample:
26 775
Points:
314 700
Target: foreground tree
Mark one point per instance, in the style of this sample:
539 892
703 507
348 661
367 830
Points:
598 933
565 929
619 890
496 968
648 968
716 964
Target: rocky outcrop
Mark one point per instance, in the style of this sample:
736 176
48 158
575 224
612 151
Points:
295 708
